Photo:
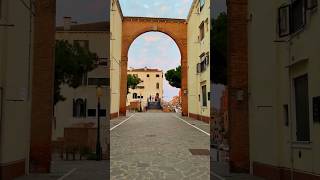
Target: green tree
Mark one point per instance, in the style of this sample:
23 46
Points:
132 82
71 63
173 76
219 49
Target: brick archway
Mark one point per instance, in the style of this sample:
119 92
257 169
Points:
132 27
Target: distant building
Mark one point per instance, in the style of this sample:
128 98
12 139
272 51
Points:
80 107
150 89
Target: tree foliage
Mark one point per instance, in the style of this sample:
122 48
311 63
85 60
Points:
132 82
219 49
71 63
173 76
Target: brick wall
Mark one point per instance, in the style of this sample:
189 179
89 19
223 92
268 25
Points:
238 82
42 86
12 170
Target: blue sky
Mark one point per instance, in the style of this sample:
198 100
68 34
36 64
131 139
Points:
155 49
156 8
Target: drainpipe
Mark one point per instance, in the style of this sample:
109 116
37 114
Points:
29 71
291 105
290 112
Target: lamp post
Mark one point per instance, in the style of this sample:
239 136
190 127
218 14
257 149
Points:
140 102
98 145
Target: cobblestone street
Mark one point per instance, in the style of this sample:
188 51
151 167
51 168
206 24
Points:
156 146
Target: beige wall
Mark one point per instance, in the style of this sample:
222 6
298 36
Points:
15 64
98 43
115 55
195 49
149 84
270 88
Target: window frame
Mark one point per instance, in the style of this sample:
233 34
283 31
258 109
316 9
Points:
201 31
286 32
134 96
292 19
202 4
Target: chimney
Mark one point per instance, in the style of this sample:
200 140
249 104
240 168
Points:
67 23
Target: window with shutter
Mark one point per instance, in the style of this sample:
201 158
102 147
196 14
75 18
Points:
298 17
284 21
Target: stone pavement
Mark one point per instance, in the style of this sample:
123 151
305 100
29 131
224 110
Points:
220 170
156 145
74 170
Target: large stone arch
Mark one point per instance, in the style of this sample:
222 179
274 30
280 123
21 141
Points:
132 27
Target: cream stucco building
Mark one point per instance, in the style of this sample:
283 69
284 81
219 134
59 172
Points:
198 60
150 88
16 58
115 56
80 106
284 87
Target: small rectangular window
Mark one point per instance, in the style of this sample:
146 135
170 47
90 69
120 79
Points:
207 25
286 114
201 31
298 15
134 96
202 2
316 109
157 75
92 112
148 75
284 21
103 113
204 95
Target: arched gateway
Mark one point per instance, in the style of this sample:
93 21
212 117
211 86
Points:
132 27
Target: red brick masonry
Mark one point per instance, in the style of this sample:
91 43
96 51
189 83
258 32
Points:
9 171
237 84
270 172
133 27
199 117
42 86
114 115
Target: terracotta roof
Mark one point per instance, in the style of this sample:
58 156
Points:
144 69
96 26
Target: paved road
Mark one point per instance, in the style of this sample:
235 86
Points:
156 146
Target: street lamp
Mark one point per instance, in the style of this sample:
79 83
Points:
140 102
98 145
